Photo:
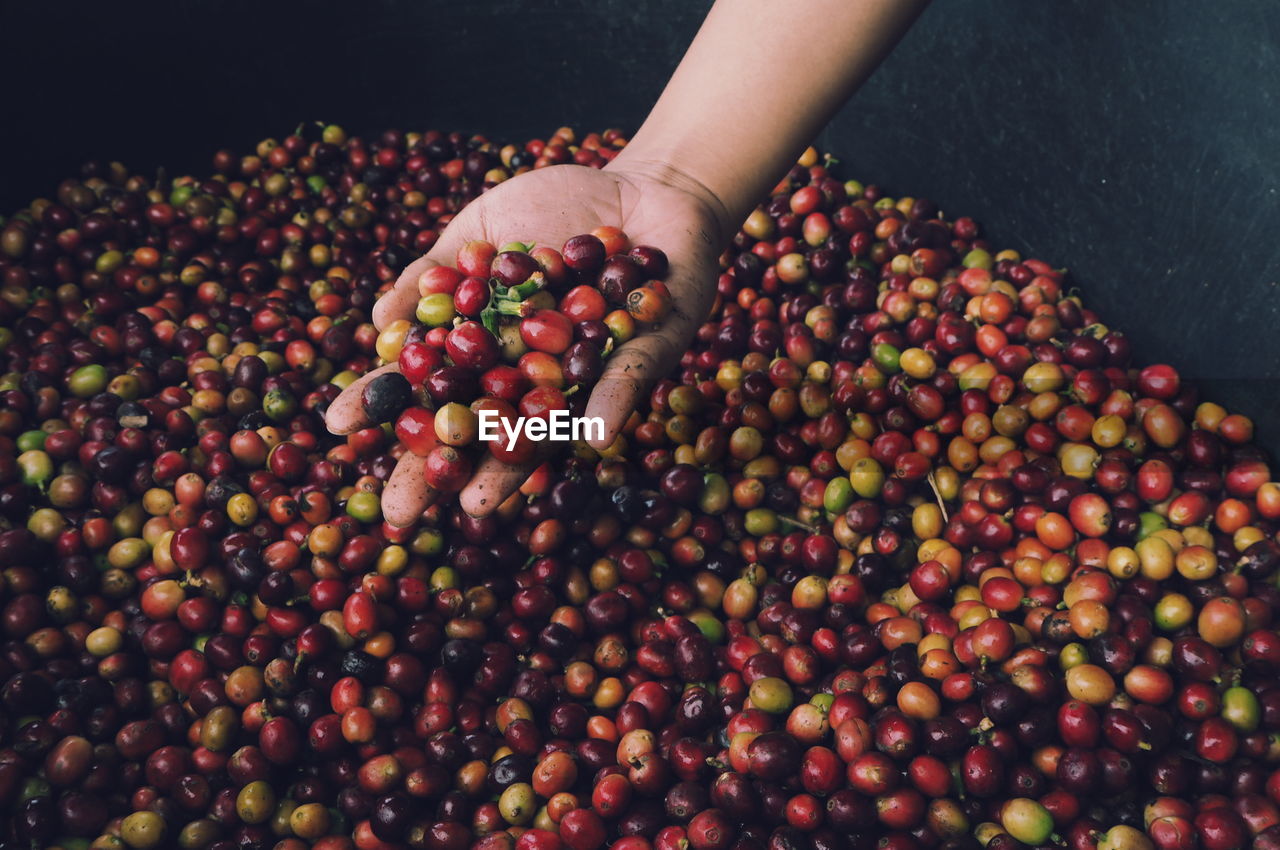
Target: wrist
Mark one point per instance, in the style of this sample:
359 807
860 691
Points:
661 170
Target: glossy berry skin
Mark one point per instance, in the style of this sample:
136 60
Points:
415 428
710 830
649 303
446 469
582 829
982 771
472 296
584 254
472 346
418 360
547 330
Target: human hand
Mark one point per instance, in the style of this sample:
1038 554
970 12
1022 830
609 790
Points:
655 206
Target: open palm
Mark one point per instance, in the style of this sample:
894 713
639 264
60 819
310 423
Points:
547 207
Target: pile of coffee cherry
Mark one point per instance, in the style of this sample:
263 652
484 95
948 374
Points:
909 553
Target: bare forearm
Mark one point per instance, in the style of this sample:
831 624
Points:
759 81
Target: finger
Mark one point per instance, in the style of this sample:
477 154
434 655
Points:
407 493
492 483
630 372
346 413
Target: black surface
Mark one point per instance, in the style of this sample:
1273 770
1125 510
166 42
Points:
1136 143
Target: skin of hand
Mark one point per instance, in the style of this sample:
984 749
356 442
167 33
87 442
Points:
654 205
733 117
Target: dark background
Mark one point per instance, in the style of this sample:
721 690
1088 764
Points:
1137 144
